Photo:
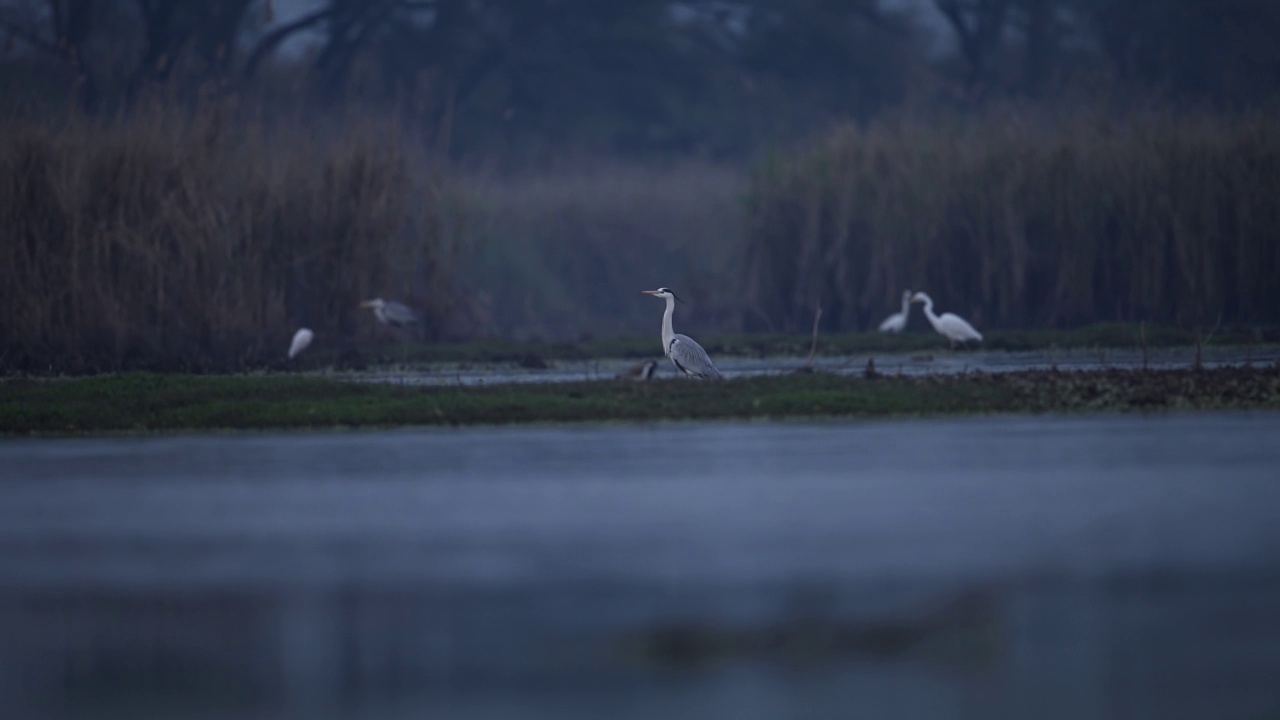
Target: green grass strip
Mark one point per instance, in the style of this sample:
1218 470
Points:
143 402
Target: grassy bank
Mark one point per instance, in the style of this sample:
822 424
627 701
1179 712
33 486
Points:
1023 221
148 402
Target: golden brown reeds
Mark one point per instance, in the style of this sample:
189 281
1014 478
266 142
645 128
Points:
1169 218
568 250
172 239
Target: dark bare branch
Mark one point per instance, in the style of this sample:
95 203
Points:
28 36
272 40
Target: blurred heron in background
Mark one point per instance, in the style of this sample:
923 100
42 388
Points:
392 313
396 315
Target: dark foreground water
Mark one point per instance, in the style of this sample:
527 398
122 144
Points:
1045 568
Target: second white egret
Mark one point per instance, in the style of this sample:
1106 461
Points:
949 325
898 321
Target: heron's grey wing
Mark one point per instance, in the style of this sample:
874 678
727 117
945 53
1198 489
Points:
690 358
400 314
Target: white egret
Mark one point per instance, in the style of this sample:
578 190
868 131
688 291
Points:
898 321
301 340
951 326
687 355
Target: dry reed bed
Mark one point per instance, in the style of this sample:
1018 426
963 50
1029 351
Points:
1158 218
177 240
566 252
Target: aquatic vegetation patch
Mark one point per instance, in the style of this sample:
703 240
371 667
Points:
144 402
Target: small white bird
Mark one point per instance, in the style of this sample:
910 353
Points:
949 325
301 340
898 321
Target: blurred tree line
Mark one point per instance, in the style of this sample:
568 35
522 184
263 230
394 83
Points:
711 78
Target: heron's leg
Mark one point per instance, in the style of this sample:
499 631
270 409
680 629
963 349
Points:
404 357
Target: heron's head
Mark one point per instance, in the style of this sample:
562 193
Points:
906 295
374 303
662 293
920 297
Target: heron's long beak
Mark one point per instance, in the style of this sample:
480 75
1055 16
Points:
916 298
366 304
655 292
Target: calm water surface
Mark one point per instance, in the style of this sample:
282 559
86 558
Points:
942 362
1021 567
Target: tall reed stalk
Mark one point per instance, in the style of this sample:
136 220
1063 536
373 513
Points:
169 239
1015 224
567 251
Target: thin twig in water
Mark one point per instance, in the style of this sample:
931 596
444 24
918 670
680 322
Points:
1201 339
1216 325
1142 336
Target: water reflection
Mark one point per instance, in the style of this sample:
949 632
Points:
1157 646
1048 568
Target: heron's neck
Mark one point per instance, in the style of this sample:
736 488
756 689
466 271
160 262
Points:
906 305
667 332
928 312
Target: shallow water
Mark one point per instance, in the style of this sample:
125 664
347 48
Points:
984 567
918 363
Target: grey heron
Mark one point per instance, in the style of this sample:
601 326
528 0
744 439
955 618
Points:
898 321
391 312
301 340
949 325
687 355
396 315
